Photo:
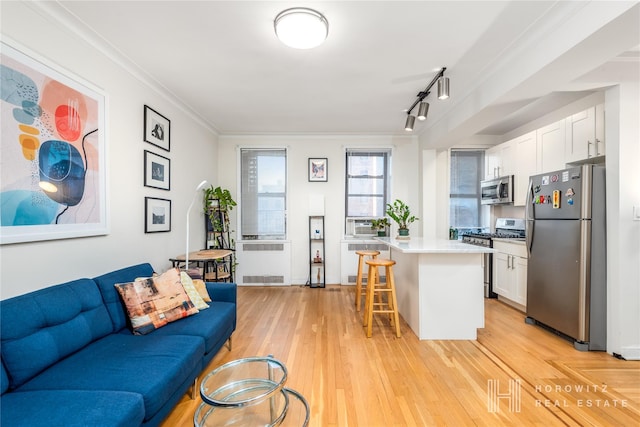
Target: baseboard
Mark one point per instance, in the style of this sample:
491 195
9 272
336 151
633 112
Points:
630 352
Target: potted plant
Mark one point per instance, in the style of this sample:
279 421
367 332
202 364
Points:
381 225
401 214
216 203
218 196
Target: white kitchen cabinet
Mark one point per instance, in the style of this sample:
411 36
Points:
525 150
492 162
510 271
499 160
585 135
551 146
600 141
519 267
501 274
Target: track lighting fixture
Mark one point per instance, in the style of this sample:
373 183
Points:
443 87
423 108
411 120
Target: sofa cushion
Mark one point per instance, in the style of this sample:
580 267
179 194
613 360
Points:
110 295
45 326
213 325
191 290
144 364
4 381
71 408
155 301
201 287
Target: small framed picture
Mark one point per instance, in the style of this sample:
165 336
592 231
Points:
157 129
157 171
157 215
318 169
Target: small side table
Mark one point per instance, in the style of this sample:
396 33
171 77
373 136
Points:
216 264
250 391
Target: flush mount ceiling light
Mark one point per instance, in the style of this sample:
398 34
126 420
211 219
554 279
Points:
301 27
423 109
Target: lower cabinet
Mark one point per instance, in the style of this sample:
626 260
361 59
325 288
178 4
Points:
510 271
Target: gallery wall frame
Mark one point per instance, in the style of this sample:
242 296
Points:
53 174
157 171
318 169
157 129
157 215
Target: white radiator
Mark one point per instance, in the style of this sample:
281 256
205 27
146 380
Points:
263 263
349 258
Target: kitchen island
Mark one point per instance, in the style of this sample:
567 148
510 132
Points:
439 286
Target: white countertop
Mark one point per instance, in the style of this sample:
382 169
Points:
418 245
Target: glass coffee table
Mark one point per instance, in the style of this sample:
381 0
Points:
250 392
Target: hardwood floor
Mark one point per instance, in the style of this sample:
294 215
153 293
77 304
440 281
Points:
351 380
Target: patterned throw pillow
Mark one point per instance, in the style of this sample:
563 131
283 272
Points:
202 289
155 301
191 290
196 277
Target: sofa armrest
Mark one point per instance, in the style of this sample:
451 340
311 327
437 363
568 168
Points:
222 291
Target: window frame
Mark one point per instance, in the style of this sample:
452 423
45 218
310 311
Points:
240 180
479 154
386 153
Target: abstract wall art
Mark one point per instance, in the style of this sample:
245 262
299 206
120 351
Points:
157 129
318 169
52 152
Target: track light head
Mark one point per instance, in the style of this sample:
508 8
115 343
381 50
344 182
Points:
411 121
423 110
443 87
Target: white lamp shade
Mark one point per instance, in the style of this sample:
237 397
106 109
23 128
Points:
301 28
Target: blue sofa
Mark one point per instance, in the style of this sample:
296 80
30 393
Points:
69 357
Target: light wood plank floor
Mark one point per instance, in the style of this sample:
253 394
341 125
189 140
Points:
350 380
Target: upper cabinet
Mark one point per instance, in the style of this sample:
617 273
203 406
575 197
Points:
525 150
585 135
499 160
551 146
577 138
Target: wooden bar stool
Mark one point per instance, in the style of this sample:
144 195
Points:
374 287
360 290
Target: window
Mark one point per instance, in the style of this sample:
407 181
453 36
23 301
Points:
464 199
367 182
263 196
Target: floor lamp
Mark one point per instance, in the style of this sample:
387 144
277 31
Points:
186 254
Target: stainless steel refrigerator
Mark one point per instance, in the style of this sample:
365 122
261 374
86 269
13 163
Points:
566 240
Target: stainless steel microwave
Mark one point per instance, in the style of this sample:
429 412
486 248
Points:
497 190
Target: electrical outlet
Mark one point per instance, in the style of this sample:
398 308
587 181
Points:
636 213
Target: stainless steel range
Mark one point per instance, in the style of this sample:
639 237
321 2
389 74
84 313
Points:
506 228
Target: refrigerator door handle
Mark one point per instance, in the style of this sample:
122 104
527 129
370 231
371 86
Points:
584 290
528 215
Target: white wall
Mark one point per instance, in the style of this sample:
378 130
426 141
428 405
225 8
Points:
299 149
623 233
29 266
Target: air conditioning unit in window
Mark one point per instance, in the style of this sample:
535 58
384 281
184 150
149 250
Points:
359 227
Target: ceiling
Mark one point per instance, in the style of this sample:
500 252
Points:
222 61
